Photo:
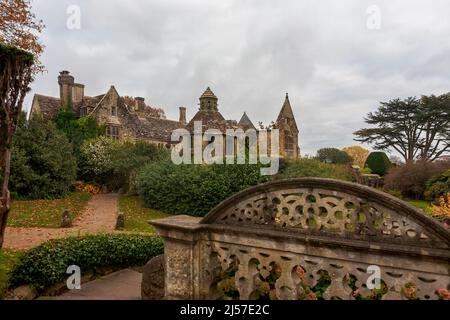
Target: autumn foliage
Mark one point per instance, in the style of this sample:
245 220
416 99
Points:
443 209
20 28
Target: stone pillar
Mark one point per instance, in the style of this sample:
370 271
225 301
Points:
181 252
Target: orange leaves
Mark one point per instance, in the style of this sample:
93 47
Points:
20 28
87 188
443 210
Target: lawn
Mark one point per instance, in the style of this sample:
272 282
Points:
46 213
7 260
137 216
420 204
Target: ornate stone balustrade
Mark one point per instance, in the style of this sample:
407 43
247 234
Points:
284 239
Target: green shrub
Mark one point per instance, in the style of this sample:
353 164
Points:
334 156
378 163
115 163
314 168
42 164
193 189
77 130
438 186
47 264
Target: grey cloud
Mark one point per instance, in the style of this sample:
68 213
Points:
251 52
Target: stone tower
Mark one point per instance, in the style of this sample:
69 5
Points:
208 101
289 146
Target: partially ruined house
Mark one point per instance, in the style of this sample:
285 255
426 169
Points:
134 122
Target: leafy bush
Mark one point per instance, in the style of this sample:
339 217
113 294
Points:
313 168
46 265
115 164
438 186
378 163
77 130
193 189
410 179
358 155
334 156
42 165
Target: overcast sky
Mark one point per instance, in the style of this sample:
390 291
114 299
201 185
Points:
335 68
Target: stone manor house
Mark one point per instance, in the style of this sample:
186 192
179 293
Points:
133 122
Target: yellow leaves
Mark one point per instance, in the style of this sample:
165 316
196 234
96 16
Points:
358 154
443 210
87 188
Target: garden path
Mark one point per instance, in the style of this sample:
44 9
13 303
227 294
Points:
100 215
122 285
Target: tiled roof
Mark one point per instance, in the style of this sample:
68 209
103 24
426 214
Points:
210 120
151 128
208 94
49 106
245 122
286 112
92 101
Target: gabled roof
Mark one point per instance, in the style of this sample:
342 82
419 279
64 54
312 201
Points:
246 123
286 112
48 106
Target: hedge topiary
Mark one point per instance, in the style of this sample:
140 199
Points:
47 264
314 168
193 189
378 163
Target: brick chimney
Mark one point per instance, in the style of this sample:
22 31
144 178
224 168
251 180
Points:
66 83
139 104
182 115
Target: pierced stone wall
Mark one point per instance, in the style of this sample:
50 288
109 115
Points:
283 239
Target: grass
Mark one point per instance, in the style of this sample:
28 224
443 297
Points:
46 213
7 260
420 204
137 216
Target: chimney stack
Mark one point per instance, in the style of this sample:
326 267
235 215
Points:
77 92
140 104
66 82
182 115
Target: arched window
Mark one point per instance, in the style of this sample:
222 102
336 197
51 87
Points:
114 111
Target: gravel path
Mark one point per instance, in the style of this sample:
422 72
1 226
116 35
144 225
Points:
100 215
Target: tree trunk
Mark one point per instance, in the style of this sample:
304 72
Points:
5 199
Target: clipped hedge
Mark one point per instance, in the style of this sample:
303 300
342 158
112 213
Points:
378 163
193 189
46 265
303 168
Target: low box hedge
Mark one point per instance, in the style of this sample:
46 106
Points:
46 265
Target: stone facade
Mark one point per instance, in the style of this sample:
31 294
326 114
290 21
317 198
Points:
133 122
302 230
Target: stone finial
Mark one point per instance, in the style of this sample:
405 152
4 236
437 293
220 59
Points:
120 221
66 220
